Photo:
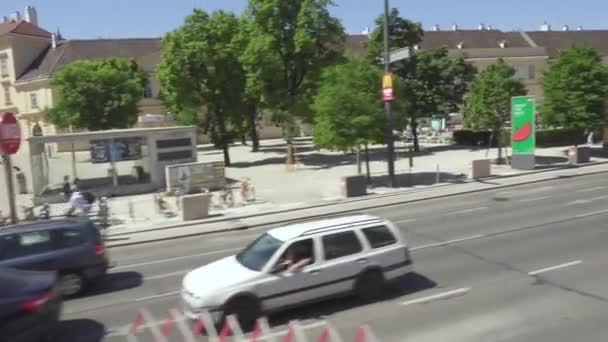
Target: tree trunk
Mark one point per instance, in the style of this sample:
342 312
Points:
359 172
224 143
500 160
243 139
369 176
253 132
226 148
414 126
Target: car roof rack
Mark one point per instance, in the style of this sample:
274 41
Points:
342 225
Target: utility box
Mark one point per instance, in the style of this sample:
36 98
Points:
194 207
480 169
354 186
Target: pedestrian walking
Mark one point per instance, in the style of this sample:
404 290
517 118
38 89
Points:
590 137
67 188
80 201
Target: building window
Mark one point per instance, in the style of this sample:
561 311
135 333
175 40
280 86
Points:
7 95
4 66
147 89
34 100
531 72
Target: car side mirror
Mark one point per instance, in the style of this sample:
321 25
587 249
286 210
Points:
279 268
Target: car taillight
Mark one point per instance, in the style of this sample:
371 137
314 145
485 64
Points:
35 303
100 249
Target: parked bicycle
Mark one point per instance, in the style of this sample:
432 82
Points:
226 196
29 212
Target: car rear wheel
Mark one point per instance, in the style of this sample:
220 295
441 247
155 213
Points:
70 284
369 285
246 309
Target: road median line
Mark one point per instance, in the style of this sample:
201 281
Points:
439 296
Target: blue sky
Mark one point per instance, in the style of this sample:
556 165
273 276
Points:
152 18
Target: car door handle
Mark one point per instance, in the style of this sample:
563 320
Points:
314 272
362 260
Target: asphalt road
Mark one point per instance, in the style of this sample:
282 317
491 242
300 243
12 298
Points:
524 263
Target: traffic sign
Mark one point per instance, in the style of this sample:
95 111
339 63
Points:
387 87
10 134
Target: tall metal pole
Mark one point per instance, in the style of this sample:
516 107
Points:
10 188
387 104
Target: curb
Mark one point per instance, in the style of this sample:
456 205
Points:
352 200
246 227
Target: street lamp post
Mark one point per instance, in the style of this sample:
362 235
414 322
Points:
387 104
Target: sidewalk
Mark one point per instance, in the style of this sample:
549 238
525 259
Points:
117 238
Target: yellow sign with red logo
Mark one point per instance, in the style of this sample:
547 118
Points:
387 87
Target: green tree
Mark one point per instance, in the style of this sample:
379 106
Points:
575 86
348 110
203 81
402 33
489 103
253 93
97 94
291 43
433 83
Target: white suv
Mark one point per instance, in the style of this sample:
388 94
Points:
351 254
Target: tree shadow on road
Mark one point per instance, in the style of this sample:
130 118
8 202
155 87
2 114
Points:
80 330
404 286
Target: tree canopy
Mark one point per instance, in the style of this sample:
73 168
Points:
402 33
291 42
575 86
97 94
203 80
433 83
348 109
489 103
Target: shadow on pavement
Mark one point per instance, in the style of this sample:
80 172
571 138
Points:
80 330
114 282
418 178
407 285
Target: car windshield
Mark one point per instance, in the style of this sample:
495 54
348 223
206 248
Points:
257 254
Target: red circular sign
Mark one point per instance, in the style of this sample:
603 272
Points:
10 134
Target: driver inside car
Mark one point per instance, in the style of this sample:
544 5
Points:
298 255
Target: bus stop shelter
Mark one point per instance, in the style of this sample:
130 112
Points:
118 162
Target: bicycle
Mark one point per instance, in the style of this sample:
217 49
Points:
226 196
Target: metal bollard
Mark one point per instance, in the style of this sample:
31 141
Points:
437 176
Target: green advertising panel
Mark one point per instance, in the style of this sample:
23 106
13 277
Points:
523 125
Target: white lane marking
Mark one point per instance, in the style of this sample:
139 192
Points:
534 199
438 296
467 211
598 198
404 221
438 244
592 213
556 267
579 201
162 295
592 189
160 261
166 275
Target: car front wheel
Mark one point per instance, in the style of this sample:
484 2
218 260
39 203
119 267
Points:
246 309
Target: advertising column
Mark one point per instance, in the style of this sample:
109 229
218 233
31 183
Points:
523 132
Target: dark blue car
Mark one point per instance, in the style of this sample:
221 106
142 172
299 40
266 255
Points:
30 305
73 247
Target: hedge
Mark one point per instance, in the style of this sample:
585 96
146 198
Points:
544 138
